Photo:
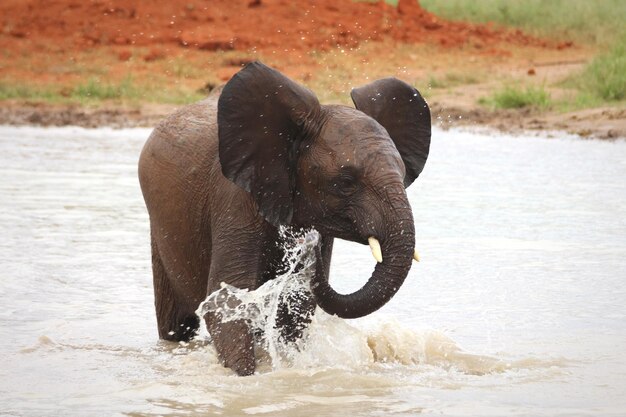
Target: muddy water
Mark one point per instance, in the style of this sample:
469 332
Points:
517 307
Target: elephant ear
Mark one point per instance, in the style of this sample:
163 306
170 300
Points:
403 112
262 117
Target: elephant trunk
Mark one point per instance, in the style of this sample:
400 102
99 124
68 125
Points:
398 246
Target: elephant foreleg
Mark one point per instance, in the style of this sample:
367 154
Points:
295 312
233 339
234 343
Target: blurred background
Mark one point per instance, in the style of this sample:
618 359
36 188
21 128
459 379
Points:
128 62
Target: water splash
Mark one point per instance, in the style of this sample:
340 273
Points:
328 341
261 308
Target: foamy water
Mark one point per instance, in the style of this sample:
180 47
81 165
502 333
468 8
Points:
517 307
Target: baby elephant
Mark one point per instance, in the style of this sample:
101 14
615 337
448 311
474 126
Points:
220 176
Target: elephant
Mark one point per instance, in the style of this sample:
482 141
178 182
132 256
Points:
221 176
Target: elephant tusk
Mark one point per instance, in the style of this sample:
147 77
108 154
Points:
375 247
416 256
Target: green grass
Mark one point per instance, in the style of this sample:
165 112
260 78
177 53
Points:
95 90
601 82
452 79
588 21
513 97
91 90
605 76
12 91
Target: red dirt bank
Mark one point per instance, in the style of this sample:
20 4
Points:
47 42
283 26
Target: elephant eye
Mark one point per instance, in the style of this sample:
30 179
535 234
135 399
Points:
344 184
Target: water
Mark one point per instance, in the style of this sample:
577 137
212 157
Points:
517 307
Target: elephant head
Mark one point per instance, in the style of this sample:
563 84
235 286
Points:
339 169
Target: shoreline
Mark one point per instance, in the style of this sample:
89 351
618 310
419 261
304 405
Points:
607 123
91 69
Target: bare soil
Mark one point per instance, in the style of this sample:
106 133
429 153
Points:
283 26
330 45
599 123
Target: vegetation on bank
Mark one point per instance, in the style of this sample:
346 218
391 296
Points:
598 22
601 82
452 79
605 76
16 91
515 97
95 90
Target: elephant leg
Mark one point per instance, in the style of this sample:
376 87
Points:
174 323
234 340
295 312
234 343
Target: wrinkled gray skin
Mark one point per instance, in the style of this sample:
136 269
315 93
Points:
221 175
